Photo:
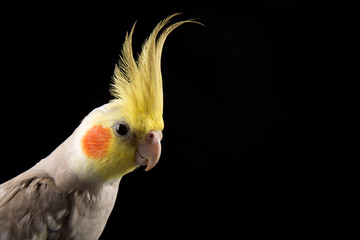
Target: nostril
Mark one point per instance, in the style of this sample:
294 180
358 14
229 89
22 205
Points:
151 135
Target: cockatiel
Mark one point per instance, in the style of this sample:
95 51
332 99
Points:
71 193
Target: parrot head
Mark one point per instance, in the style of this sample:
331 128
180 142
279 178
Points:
125 133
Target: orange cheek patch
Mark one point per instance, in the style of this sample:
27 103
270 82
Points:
96 142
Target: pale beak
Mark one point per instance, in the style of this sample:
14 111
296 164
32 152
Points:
148 152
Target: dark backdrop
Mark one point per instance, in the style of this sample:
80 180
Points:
261 110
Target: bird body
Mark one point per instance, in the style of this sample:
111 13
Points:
57 201
71 193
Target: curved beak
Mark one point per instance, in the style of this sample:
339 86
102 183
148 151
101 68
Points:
148 153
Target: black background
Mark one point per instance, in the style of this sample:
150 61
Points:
261 110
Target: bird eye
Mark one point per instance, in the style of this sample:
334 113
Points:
121 129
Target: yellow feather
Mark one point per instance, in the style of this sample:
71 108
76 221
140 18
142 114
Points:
137 85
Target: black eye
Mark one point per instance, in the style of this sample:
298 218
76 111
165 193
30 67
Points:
121 129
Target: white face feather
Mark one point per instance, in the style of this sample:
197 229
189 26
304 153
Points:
117 159
80 164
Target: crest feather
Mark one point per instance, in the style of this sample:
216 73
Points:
138 84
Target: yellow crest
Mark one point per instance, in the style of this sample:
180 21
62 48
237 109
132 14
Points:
137 85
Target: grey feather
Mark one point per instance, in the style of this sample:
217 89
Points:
49 201
33 207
